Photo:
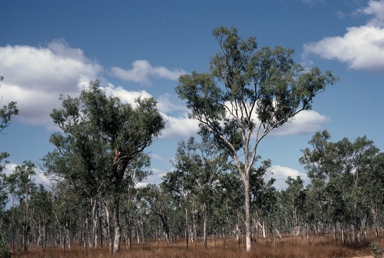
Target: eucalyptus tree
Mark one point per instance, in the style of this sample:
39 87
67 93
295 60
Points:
69 213
264 199
228 205
342 171
201 163
41 213
130 207
158 201
374 182
3 193
268 208
293 199
22 186
6 113
247 94
102 143
179 185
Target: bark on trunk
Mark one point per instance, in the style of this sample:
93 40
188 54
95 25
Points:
186 228
248 228
116 224
108 220
205 222
94 223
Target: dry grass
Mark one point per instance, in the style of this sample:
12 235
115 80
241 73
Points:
286 247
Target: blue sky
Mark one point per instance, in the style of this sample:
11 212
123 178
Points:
139 48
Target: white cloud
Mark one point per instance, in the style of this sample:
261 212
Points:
126 96
179 127
281 175
175 127
142 71
375 8
306 122
35 77
167 103
360 47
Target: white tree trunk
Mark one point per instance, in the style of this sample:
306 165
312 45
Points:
108 220
248 228
205 222
116 224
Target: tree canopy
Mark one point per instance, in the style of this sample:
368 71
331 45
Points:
100 148
246 94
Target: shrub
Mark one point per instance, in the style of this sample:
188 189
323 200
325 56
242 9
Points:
376 250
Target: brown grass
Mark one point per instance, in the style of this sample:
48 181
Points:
320 247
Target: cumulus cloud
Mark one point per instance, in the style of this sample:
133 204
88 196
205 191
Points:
176 126
142 72
375 8
179 127
306 122
360 47
35 77
126 96
281 175
167 103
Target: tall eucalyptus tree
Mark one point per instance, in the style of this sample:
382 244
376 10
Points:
247 94
102 143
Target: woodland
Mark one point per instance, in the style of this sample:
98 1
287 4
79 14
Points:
217 197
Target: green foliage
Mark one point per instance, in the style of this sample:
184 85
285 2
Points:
6 113
378 253
4 249
99 152
95 126
342 175
246 94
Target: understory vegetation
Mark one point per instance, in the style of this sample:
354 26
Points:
287 246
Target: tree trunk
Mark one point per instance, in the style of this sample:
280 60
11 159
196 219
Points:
186 228
67 234
205 222
116 224
248 228
94 222
108 220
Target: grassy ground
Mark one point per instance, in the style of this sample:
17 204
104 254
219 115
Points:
286 247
